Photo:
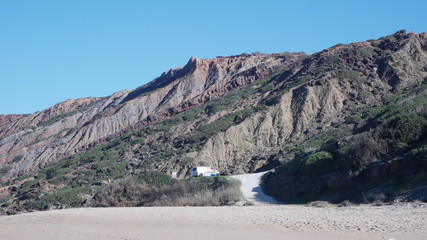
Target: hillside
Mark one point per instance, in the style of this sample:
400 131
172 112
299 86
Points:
345 123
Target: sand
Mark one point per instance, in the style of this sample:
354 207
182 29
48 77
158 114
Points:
252 190
402 221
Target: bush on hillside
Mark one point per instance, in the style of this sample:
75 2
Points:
363 149
191 192
5 169
65 197
152 178
319 162
407 128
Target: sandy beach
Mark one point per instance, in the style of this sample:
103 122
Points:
402 221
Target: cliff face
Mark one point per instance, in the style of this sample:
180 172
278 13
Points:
70 127
239 114
339 82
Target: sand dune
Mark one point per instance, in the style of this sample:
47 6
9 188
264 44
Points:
403 221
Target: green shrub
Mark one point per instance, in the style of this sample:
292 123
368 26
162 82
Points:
92 155
5 169
67 196
27 185
300 80
320 69
407 128
399 145
363 149
364 94
162 155
116 171
191 113
173 121
318 157
62 179
239 94
212 109
102 164
419 150
260 107
54 171
136 141
114 154
373 112
17 158
159 127
38 141
217 126
197 137
354 119
221 124
57 118
213 191
333 59
154 178
365 52
324 138
349 74
5 201
309 164
266 88
144 148
319 163
188 160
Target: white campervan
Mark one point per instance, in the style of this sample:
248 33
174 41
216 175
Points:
204 172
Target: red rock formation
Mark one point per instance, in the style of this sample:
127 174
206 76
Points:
6 119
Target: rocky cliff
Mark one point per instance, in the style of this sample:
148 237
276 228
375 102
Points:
338 82
73 126
242 113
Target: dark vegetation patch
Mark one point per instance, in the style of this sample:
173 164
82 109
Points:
147 189
382 158
63 198
159 190
5 169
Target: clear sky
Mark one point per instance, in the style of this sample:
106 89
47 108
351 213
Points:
51 51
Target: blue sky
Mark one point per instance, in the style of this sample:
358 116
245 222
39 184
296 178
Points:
54 50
